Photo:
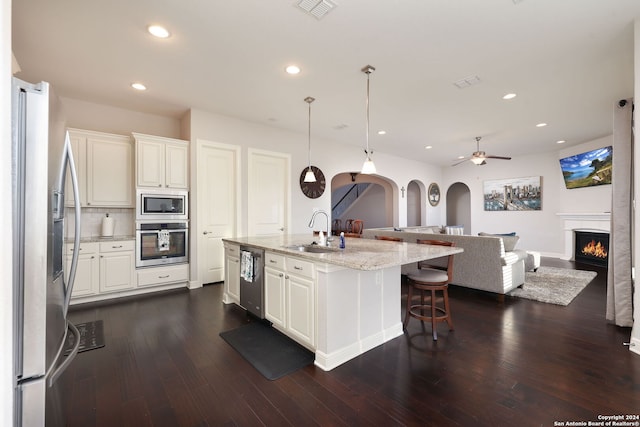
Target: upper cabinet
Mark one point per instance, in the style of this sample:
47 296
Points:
161 162
105 169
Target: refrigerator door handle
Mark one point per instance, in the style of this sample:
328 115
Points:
76 241
76 346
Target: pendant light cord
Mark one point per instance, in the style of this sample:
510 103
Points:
309 100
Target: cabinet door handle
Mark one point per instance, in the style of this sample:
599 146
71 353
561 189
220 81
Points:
286 277
93 257
205 232
159 185
236 261
273 261
164 277
280 275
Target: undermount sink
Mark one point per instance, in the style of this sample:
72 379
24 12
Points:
312 248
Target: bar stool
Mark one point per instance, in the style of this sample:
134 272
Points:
430 278
391 239
357 226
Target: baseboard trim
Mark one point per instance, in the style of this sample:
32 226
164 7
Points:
634 346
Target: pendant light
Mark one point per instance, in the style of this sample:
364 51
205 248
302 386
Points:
309 176
368 167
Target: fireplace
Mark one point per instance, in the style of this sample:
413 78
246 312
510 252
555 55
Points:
591 248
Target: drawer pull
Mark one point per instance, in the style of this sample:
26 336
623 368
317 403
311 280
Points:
298 268
272 261
116 247
164 277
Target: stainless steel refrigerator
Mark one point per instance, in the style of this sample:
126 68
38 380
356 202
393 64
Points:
41 160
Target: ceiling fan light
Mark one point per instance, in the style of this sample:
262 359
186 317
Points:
368 167
310 176
478 161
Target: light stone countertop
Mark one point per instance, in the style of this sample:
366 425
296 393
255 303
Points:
359 254
93 239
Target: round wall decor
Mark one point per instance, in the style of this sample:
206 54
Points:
433 194
313 190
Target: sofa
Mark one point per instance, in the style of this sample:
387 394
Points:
484 264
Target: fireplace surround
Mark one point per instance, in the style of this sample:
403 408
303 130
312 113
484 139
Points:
596 222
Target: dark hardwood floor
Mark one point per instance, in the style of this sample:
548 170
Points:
517 363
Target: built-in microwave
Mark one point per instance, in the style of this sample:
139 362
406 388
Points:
162 205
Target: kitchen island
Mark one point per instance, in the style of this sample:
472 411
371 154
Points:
339 303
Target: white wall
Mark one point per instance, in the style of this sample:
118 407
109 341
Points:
120 121
329 156
6 296
635 331
538 230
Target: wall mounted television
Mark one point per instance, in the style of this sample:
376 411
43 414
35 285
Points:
587 169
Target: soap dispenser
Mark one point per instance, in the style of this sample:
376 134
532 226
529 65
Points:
322 241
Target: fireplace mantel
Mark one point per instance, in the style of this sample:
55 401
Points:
584 221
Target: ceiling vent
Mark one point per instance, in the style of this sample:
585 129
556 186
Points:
467 81
316 8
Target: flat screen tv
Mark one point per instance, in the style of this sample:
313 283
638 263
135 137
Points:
587 169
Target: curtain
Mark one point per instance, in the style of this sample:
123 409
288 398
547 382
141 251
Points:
619 282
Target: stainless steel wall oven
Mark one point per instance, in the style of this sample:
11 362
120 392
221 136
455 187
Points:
163 243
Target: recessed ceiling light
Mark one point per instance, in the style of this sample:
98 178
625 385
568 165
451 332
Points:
460 157
158 31
428 147
562 141
138 86
509 96
541 125
292 69
382 132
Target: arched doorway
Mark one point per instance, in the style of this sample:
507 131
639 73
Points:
459 206
415 207
371 198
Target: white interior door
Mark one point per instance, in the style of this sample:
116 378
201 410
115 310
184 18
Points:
269 193
217 206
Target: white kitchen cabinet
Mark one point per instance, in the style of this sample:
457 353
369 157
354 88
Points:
161 162
104 163
152 276
87 272
290 297
117 266
232 273
274 290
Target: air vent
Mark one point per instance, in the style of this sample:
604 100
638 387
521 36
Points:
316 8
467 81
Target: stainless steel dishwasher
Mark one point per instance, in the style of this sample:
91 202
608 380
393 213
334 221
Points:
252 280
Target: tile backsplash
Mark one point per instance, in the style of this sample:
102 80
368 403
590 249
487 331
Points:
91 224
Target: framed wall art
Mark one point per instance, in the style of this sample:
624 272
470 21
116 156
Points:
513 194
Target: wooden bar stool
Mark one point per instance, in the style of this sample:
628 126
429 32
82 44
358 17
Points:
357 226
391 239
432 279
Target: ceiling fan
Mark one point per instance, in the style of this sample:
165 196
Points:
479 157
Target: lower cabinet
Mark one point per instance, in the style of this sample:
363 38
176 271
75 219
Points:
117 264
153 276
88 270
231 273
290 296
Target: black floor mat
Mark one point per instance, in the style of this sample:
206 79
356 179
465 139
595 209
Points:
91 337
270 352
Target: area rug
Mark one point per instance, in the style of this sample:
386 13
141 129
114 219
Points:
270 352
91 337
553 285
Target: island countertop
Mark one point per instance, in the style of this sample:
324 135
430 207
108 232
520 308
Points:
359 254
